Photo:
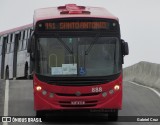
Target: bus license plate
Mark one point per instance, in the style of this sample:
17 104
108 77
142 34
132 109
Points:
77 102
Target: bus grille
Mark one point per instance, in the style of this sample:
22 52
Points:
86 94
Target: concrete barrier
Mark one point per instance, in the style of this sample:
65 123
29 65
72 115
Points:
144 73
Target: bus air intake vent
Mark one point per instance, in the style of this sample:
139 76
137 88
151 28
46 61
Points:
85 94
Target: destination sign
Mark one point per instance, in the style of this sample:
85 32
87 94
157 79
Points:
75 25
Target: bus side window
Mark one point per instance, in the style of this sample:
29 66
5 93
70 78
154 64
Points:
12 43
7 44
28 33
28 36
0 46
25 39
20 41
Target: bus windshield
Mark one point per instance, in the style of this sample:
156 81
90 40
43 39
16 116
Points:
78 56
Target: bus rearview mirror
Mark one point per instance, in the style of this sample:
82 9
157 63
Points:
125 48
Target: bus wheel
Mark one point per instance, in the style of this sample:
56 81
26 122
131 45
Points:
7 73
113 116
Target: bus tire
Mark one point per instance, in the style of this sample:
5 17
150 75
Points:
7 73
113 115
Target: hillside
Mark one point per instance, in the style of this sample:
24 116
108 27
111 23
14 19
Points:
145 73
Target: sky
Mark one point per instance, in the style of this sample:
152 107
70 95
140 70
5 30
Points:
139 21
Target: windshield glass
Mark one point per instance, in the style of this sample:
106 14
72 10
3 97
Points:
78 56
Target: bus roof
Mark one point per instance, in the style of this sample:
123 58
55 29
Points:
71 10
16 29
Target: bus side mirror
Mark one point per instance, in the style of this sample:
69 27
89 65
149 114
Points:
125 48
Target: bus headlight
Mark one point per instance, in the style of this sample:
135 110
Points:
38 88
116 87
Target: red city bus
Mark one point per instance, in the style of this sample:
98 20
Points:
77 54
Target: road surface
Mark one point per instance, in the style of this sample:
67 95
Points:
137 101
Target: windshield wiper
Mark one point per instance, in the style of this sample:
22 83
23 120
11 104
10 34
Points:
63 43
92 44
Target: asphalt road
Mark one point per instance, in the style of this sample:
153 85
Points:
137 101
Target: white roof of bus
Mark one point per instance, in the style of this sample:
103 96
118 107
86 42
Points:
16 29
54 12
